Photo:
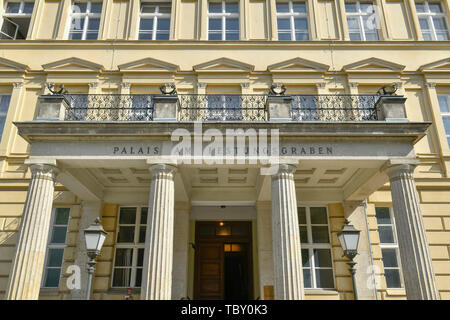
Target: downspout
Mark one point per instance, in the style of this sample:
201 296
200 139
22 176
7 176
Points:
370 250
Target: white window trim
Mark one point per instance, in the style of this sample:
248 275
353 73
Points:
135 245
292 15
445 114
7 110
394 246
87 15
224 16
310 246
430 15
360 14
54 246
155 16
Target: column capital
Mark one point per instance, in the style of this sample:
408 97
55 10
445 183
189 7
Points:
165 169
283 169
42 169
394 168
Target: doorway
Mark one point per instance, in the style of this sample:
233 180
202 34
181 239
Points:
223 260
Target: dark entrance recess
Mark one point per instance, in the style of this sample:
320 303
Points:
223 260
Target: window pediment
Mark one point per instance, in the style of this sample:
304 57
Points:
7 65
224 65
72 65
298 65
373 65
148 65
437 66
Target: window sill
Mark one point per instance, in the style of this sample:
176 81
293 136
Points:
49 291
396 292
323 292
123 291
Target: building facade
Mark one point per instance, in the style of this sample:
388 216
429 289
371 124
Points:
236 183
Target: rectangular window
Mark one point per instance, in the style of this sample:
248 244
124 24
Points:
389 247
433 21
292 21
223 20
444 106
16 20
362 21
154 23
316 247
85 20
130 243
55 247
4 106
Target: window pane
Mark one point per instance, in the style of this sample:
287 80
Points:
301 36
79 7
389 258
231 7
127 216
215 24
427 36
55 257
301 24
351 7
140 257
283 7
124 257
320 234
301 215
62 215
75 36
164 9
305 258
126 234
215 7
52 278
392 278
322 258
284 24
59 235
424 24
367 8
439 23
299 7
77 24
303 235
144 212
138 277
232 36
146 24
4 105
163 24
324 278
386 234
353 23
13 7
215 36
420 7
382 215
442 35
142 234
93 23
355 37
319 215
307 278
96 7
232 24
446 121
148 8
122 277
435 7
162 35
28 7
145 36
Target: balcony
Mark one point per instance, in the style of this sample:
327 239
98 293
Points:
217 108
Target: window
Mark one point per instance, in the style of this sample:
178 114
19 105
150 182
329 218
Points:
444 105
4 105
154 21
316 248
129 255
361 21
223 20
16 20
85 20
292 20
432 20
55 247
389 247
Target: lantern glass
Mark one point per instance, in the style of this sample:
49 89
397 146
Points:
351 241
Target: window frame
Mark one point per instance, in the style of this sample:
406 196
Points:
86 16
429 16
51 245
223 16
394 246
20 14
292 15
445 115
6 114
155 16
311 246
135 246
360 14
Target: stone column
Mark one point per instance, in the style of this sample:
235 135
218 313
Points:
288 277
28 264
420 283
158 254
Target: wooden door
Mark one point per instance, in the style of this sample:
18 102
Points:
209 271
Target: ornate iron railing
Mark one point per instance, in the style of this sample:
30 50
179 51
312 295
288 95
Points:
221 107
331 108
